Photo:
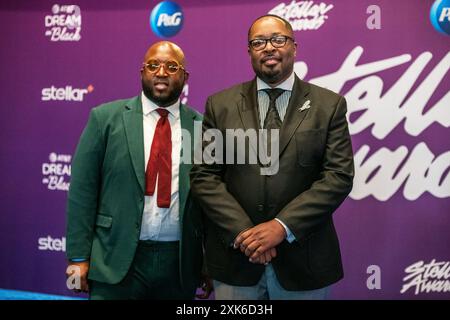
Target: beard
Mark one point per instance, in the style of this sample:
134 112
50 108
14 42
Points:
276 73
162 99
267 74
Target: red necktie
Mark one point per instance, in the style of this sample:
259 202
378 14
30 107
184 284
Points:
160 161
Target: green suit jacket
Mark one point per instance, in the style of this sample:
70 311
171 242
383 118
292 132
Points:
106 195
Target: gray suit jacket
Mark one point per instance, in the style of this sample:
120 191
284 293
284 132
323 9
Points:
315 175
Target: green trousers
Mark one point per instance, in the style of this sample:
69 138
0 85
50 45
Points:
154 274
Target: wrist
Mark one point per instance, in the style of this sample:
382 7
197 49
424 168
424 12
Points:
281 227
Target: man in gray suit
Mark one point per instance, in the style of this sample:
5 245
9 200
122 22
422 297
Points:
272 236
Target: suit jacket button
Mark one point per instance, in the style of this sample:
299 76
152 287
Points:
260 208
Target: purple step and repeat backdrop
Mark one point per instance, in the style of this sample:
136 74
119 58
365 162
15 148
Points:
389 58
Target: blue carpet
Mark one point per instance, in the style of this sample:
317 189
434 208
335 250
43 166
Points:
26 295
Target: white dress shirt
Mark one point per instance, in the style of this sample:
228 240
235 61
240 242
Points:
161 224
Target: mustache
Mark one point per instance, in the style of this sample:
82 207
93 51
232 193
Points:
269 57
160 81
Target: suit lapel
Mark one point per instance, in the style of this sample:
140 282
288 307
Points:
187 118
133 123
294 116
248 111
248 106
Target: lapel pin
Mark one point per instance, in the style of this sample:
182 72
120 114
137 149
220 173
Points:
305 106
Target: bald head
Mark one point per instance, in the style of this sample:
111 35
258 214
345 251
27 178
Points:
160 83
165 49
266 17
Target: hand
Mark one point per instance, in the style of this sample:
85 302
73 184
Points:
82 270
257 240
266 257
206 286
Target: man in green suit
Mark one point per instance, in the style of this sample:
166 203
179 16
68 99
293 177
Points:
133 231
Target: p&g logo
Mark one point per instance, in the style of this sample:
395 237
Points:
166 19
440 16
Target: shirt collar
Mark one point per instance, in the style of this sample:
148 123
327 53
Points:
149 106
287 84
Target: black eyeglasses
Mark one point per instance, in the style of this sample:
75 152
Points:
276 41
170 66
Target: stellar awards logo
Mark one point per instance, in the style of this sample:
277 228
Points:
49 243
427 277
67 93
303 15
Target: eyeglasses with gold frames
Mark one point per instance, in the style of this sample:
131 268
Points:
170 66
